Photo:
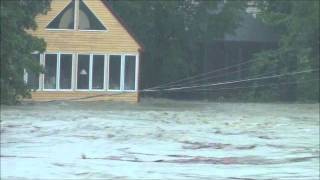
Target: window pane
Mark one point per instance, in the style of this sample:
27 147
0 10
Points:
65 20
50 71
130 73
114 72
98 72
83 71
65 71
33 78
87 20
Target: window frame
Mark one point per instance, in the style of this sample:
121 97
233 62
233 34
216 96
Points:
25 73
90 73
74 19
123 71
58 71
104 71
121 74
90 30
135 73
72 69
44 74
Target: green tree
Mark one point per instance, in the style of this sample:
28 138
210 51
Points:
297 22
17 45
175 33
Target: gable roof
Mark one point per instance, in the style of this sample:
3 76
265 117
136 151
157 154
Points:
119 19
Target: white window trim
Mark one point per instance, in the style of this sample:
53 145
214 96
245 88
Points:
41 78
57 72
106 75
44 76
122 72
136 73
74 24
71 88
79 54
104 71
91 30
76 19
120 89
91 72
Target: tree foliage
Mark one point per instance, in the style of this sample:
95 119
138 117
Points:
298 49
17 45
175 33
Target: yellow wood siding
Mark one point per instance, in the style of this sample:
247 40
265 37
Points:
83 96
115 40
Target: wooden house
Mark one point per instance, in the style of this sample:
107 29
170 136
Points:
90 54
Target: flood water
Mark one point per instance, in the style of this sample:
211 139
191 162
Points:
160 139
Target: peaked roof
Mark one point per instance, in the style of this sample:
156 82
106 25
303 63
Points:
108 6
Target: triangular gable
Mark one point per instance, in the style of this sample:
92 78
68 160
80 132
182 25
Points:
85 18
116 38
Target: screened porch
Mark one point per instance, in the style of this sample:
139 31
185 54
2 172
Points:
85 72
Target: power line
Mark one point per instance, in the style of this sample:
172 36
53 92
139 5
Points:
200 75
214 77
247 87
238 81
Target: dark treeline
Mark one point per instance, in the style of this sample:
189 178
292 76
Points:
174 33
179 36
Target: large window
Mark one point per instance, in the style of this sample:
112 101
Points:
130 73
64 20
58 71
50 75
83 71
91 72
65 71
98 72
32 78
122 72
114 72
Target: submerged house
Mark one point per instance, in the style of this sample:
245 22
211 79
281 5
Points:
90 54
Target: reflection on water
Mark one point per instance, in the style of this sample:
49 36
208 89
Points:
160 139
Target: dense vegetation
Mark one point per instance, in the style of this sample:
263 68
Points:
297 21
176 36
17 45
174 32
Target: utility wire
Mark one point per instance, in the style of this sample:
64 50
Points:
197 82
247 87
200 75
238 81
